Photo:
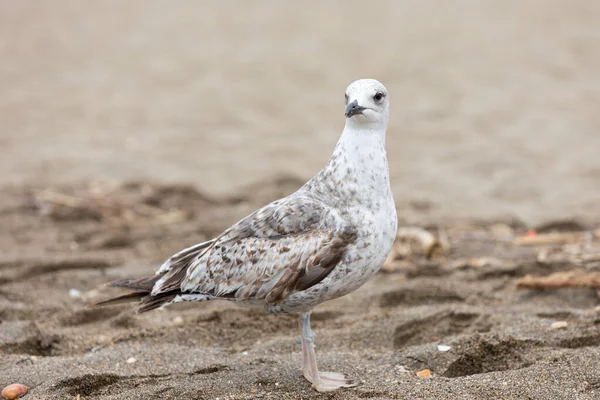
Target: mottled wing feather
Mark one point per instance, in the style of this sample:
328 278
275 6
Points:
185 256
287 246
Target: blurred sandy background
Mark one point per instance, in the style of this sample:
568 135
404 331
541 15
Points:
199 112
494 103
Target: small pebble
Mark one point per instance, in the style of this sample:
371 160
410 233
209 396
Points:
425 373
401 369
74 293
502 230
559 325
131 360
245 353
178 320
14 391
91 294
443 347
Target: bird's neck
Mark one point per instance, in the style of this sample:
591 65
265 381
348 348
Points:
357 170
363 131
360 156
363 135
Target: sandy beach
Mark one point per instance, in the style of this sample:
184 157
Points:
133 129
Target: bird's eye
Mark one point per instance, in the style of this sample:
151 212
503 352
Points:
378 96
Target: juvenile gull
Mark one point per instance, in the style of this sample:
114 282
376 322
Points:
317 244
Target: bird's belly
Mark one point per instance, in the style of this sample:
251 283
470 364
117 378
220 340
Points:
360 264
361 261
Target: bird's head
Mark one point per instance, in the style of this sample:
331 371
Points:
367 104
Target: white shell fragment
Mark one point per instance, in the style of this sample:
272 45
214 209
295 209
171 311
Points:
443 347
559 325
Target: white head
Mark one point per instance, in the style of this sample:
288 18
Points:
367 104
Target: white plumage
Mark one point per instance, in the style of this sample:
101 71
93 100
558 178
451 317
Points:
319 243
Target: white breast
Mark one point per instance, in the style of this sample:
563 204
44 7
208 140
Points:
356 179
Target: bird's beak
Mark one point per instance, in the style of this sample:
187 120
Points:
353 109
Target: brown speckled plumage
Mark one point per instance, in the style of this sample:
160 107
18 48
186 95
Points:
319 243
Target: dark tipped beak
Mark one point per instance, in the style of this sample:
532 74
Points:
353 109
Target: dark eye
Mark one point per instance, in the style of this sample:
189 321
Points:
378 96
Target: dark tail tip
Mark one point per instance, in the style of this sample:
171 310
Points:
142 284
142 288
127 298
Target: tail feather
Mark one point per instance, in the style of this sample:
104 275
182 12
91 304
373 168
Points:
142 288
148 303
143 284
127 298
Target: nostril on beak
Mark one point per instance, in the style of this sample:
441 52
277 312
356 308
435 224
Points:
353 109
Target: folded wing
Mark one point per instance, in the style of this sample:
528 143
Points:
285 247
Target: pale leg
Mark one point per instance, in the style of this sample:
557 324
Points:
325 381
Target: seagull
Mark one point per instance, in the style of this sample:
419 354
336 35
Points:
317 244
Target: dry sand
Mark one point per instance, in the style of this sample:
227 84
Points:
201 112
502 341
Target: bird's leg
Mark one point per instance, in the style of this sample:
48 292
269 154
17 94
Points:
308 337
321 381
